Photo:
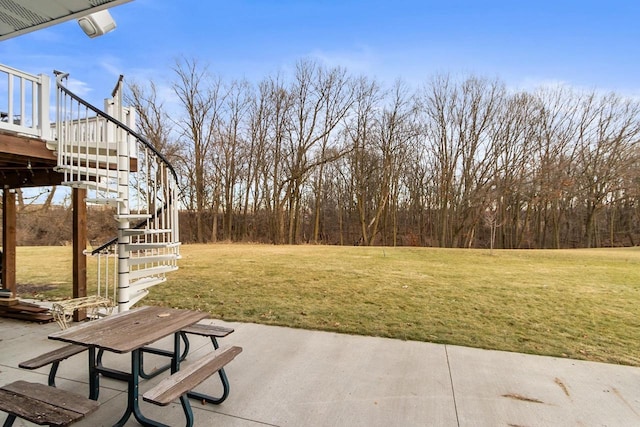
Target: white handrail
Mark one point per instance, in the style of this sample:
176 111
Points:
26 109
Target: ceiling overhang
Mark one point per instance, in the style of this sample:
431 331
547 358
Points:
23 16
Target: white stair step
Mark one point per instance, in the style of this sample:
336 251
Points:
134 297
154 271
92 159
142 246
134 217
147 246
91 185
90 146
75 170
145 283
153 259
145 231
104 201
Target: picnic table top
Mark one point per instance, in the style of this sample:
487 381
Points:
130 330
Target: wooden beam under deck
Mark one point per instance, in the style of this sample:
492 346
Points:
26 162
18 147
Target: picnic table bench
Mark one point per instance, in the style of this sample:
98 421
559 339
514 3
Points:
206 330
202 329
43 404
53 357
181 383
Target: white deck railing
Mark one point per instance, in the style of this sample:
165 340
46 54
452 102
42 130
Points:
24 102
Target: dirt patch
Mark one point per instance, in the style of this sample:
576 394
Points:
522 398
29 289
562 386
621 397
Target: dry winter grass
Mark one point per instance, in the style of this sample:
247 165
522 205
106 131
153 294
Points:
581 304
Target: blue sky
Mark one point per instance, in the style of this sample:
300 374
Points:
586 44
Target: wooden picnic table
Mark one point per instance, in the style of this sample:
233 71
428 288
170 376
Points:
129 332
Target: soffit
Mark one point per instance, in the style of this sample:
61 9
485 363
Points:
22 16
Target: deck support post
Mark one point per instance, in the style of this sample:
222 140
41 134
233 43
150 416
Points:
78 197
9 240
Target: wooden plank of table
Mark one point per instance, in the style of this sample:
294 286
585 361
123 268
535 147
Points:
129 330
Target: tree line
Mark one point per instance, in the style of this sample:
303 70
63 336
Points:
322 156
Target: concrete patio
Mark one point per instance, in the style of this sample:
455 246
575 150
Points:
290 377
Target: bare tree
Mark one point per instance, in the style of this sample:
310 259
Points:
277 102
201 96
394 131
338 97
607 152
319 102
459 118
258 123
552 161
362 164
512 132
153 120
229 149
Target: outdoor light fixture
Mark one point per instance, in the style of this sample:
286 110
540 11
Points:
97 23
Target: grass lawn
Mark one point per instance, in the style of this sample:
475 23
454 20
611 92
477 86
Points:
582 304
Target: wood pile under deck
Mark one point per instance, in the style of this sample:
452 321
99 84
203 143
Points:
16 309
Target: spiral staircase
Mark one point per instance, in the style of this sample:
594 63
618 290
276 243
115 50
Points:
99 151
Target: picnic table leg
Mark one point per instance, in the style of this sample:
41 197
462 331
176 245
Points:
175 367
9 421
94 375
223 379
132 378
161 369
186 407
175 360
214 341
132 392
186 342
52 373
214 400
133 406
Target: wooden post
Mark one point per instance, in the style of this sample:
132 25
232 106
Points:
9 240
78 196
